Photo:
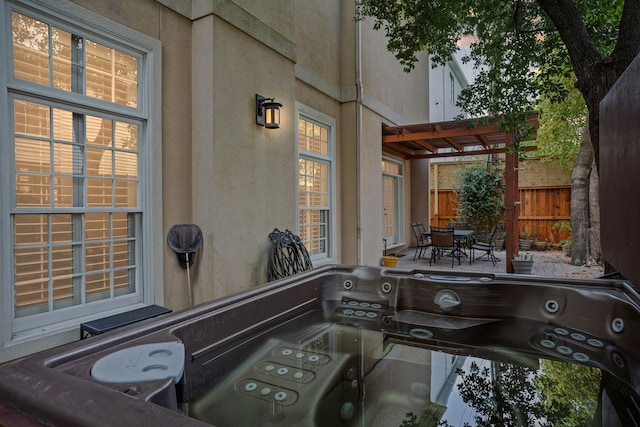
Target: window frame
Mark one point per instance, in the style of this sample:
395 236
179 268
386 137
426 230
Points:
17 333
398 203
452 88
308 113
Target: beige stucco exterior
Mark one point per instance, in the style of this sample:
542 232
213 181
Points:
237 180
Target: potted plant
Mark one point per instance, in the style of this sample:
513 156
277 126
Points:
565 244
540 245
388 260
522 263
526 240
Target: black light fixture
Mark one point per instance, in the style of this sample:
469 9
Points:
267 112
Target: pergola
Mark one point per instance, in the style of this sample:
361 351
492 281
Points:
469 137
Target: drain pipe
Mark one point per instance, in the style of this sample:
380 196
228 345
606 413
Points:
359 93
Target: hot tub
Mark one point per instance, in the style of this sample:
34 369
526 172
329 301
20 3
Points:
355 346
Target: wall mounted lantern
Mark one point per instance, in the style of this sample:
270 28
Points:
267 112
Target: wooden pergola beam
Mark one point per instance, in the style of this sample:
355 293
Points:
441 134
467 153
454 144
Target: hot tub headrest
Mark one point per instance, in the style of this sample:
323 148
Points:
147 362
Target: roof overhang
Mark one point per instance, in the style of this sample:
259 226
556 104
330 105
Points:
461 137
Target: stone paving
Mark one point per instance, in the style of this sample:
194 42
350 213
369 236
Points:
546 263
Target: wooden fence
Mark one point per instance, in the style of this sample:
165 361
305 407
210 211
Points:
540 208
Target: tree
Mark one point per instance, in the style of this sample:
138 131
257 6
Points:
511 394
562 125
568 393
563 138
518 47
522 50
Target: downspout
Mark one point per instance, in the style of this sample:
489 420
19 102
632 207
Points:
358 66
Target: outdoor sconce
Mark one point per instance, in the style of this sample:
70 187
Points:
267 112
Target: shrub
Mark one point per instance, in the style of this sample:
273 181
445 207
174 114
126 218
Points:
480 197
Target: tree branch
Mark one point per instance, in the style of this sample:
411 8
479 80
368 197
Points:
628 44
580 47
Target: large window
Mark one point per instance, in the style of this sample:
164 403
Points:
315 193
78 131
393 188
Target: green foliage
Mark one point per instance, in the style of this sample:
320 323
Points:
563 112
480 197
504 397
515 48
563 393
525 256
563 226
557 394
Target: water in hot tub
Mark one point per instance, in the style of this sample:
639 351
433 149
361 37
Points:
344 374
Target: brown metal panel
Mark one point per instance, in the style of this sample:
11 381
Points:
620 173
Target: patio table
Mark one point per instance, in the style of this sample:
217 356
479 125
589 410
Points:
460 237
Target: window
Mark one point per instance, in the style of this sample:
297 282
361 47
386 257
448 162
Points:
315 191
452 89
393 190
78 136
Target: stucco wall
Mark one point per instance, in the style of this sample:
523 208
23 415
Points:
244 174
213 166
237 180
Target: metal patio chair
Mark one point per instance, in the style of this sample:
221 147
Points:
487 247
422 240
442 240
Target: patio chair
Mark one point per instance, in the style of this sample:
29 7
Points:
422 240
441 241
487 247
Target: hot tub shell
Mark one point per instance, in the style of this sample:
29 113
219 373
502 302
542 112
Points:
56 387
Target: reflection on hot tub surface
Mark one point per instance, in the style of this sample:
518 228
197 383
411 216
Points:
354 346
471 371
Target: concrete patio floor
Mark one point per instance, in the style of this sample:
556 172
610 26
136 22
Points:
546 263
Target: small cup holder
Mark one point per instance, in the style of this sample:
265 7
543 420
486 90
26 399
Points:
617 325
552 306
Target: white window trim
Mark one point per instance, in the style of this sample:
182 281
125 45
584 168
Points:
308 112
400 222
151 280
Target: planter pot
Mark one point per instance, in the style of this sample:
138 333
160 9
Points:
390 261
499 244
522 266
525 245
540 246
